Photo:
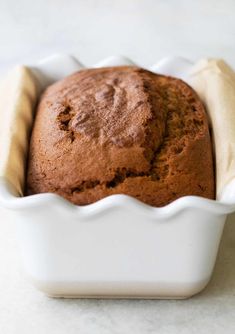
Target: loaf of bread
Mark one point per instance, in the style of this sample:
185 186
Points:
120 130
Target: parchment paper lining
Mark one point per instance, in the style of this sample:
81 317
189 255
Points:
18 94
213 80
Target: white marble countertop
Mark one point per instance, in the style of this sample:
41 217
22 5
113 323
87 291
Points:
145 31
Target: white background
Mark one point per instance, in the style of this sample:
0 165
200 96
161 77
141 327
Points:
145 31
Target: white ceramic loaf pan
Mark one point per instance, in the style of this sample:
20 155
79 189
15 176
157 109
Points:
117 247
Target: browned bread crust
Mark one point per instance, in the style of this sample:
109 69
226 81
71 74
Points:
120 130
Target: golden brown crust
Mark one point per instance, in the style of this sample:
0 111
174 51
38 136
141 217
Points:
121 130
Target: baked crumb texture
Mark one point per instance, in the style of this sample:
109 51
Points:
120 130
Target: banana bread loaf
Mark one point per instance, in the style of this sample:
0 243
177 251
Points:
120 130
